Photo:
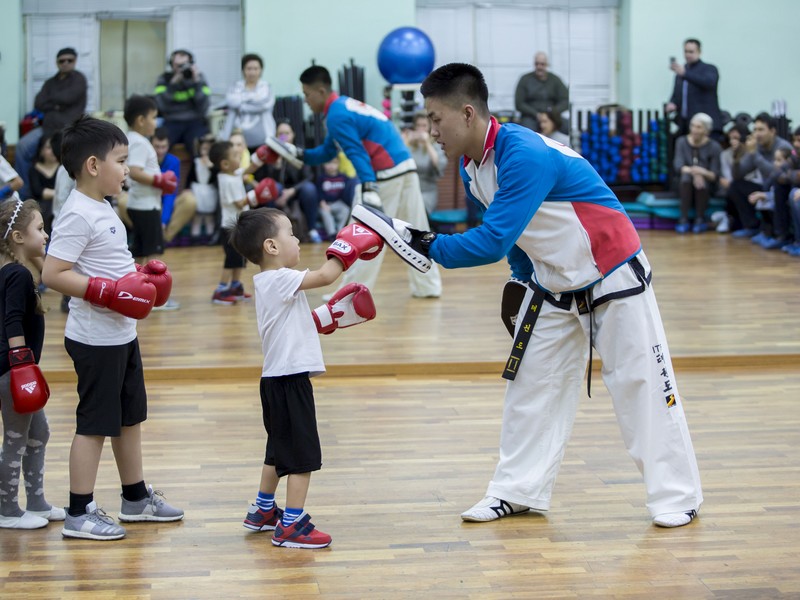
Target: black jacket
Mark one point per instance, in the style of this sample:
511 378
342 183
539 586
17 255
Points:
701 94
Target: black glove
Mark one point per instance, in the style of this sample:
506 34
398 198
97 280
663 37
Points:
420 240
513 295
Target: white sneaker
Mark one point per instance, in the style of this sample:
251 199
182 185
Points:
491 508
26 521
55 513
678 519
168 305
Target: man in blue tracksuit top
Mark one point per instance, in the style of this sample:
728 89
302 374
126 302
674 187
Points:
586 283
383 164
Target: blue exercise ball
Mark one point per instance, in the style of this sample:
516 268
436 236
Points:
406 55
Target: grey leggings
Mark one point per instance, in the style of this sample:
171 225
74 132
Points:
24 441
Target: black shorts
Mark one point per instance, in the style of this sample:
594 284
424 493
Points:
233 260
111 388
287 405
148 234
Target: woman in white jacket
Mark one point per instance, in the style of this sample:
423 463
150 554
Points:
250 102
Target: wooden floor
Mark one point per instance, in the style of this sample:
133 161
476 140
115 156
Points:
409 432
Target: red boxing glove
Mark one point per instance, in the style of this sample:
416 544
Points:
158 274
349 306
29 389
355 241
167 181
265 191
133 295
263 154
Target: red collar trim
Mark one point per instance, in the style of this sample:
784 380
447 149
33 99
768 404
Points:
331 99
488 144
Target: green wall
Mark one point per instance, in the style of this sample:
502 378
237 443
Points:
753 44
11 67
288 34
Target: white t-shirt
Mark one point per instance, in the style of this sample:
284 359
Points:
7 173
231 189
289 337
142 154
89 234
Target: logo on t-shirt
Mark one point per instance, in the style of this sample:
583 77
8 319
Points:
113 229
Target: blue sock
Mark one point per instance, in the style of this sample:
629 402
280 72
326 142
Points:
265 501
222 286
290 515
236 284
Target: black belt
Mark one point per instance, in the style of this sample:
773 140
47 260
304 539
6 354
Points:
583 302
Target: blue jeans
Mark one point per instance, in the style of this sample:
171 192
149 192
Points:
24 157
185 132
308 198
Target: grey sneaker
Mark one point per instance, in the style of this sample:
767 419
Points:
94 525
152 508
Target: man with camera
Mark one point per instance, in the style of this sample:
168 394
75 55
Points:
182 96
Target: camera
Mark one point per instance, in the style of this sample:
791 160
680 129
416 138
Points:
187 71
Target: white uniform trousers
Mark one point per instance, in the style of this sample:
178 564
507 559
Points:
540 404
402 199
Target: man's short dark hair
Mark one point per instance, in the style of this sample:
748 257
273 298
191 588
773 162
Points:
251 229
219 152
66 52
85 137
138 106
458 84
767 119
693 41
161 133
248 57
316 75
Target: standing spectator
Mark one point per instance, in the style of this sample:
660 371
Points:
550 126
336 192
695 89
759 154
540 91
299 198
430 159
696 162
250 102
42 180
61 100
202 183
182 96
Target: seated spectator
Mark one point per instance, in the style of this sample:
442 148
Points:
430 159
250 102
764 200
696 162
539 91
42 180
550 126
10 181
299 198
734 150
61 100
177 210
793 249
202 183
336 191
759 154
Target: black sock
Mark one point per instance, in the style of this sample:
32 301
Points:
134 492
78 502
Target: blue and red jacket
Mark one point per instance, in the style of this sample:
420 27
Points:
366 136
546 210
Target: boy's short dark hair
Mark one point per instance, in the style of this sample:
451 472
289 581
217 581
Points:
219 152
316 75
767 119
161 133
248 57
138 106
251 229
458 84
85 137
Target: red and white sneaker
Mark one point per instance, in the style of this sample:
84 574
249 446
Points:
300 534
223 297
258 519
237 291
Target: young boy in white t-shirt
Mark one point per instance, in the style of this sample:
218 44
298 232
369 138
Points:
292 355
88 260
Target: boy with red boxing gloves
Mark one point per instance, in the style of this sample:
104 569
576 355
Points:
292 355
89 260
